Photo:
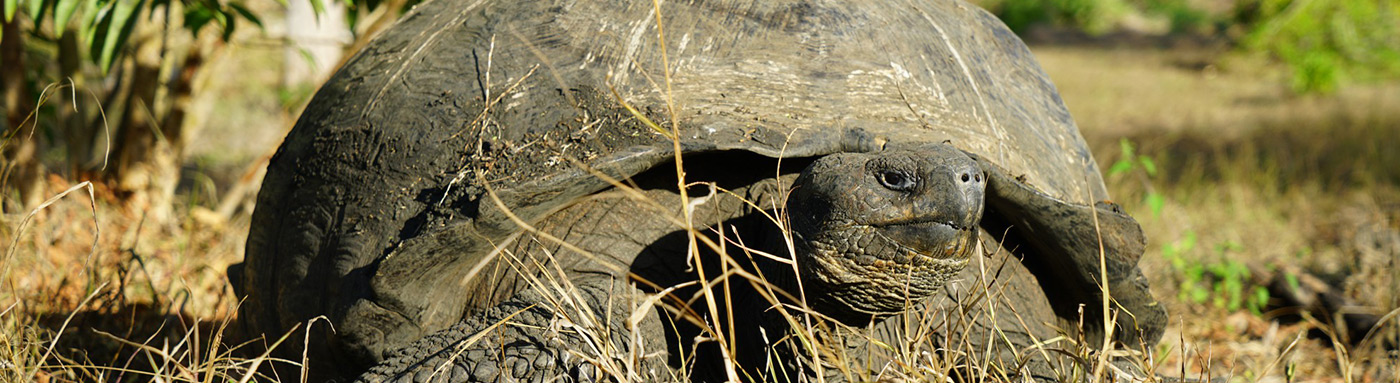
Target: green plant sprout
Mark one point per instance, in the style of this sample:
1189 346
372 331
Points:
1226 283
1128 162
1324 43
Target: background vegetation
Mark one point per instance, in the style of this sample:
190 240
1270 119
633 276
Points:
1251 138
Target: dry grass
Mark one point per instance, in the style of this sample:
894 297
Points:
114 298
1254 175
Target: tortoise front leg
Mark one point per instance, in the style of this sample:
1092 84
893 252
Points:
1063 245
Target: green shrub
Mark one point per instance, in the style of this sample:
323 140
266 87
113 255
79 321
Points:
1325 42
1091 16
1183 17
1095 17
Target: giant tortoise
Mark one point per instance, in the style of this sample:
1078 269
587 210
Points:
701 190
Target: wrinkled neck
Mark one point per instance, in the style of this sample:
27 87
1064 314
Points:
786 275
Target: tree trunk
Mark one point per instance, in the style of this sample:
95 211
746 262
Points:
149 147
21 167
143 155
80 131
148 150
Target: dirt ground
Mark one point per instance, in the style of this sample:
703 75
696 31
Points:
1239 175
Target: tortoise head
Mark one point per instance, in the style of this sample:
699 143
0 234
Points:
875 231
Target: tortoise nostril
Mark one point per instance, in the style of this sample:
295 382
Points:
966 177
978 177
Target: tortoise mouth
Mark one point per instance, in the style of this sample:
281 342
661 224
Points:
929 239
877 270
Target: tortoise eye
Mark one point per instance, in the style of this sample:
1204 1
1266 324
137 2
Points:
895 180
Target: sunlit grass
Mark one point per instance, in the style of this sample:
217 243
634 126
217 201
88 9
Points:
1251 174
114 298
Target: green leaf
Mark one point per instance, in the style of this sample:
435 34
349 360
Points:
228 22
1292 280
352 17
116 31
1236 300
62 12
10 7
247 14
1155 202
1261 297
36 9
1120 167
306 56
318 8
1127 148
95 27
90 11
197 16
1199 295
1148 165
